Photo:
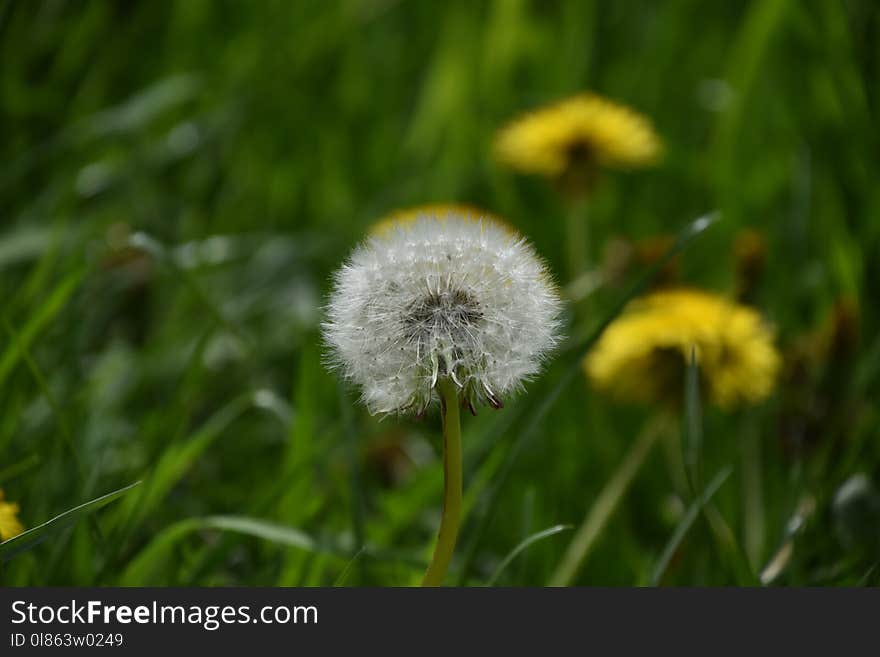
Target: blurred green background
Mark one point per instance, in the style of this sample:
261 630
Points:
179 180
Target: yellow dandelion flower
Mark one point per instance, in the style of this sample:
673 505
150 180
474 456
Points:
9 524
642 355
574 136
406 216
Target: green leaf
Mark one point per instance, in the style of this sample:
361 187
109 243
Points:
32 537
140 570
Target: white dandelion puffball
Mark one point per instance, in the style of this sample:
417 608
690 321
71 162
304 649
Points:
451 296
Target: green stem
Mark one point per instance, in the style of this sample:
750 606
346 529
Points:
578 238
452 485
753 504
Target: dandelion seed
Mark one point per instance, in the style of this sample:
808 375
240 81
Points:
643 354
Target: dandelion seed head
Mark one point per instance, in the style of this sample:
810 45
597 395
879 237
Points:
441 296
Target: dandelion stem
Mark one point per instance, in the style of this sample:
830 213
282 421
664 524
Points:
578 237
452 485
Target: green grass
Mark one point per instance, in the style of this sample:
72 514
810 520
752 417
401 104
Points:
179 181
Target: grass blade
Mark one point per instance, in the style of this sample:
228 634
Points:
14 470
693 428
141 568
606 503
685 524
60 414
343 576
38 321
178 458
525 544
34 536
752 494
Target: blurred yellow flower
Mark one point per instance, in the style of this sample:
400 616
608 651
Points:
403 217
571 138
642 355
9 524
